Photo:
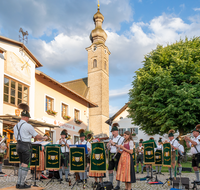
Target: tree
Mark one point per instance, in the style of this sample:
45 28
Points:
165 93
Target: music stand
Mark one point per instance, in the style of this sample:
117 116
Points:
37 146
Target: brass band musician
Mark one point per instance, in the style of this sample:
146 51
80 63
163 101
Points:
194 143
159 147
181 149
2 151
140 152
65 154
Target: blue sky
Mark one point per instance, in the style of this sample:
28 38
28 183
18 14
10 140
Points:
59 33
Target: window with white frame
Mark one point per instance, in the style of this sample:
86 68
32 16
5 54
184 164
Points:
64 110
76 114
49 103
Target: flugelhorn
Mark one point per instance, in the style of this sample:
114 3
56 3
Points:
68 136
183 136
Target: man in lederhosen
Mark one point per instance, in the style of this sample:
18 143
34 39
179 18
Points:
65 154
83 175
23 133
194 143
139 152
113 163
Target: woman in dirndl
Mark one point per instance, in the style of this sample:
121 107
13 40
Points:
125 170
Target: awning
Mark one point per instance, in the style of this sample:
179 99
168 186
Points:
13 119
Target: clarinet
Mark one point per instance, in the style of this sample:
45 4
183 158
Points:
117 150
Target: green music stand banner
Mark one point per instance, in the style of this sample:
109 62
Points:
149 157
52 157
167 156
98 157
134 156
35 157
13 156
158 158
77 159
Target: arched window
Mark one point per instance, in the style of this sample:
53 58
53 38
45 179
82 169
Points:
105 65
94 63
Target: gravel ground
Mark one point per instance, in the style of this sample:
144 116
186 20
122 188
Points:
10 180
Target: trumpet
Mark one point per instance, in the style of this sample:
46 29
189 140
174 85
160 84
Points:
68 137
183 136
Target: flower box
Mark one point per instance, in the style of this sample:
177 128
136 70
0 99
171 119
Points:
51 112
78 121
133 134
66 117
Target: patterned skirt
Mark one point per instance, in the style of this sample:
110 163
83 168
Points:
96 174
126 170
41 166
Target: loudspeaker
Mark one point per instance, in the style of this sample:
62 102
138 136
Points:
184 182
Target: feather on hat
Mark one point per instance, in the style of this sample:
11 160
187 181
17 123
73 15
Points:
115 127
25 109
171 133
82 132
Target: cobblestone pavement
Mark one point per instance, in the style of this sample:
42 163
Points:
10 180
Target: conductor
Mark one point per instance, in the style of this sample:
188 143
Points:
23 133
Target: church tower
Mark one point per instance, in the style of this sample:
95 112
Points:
98 77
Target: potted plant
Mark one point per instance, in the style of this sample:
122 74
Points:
133 134
51 112
78 121
66 117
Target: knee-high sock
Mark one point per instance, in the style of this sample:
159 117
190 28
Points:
111 177
66 172
142 168
170 172
180 169
1 167
137 168
24 173
156 169
197 175
151 169
160 169
81 174
85 174
19 176
147 171
60 172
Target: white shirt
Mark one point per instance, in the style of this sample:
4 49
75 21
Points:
27 131
140 147
193 149
174 143
113 149
181 148
64 148
159 147
84 142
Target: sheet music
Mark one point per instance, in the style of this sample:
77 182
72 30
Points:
43 143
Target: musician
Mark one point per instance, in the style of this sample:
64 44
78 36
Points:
126 170
180 148
159 147
194 143
113 163
83 175
140 152
23 133
2 151
65 154
174 144
149 166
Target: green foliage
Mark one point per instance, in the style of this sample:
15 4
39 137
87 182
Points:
88 132
166 91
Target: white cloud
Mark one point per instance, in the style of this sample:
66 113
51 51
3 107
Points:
120 92
113 110
196 9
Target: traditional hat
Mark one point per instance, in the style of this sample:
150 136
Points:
81 132
151 138
141 141
177 139
115 127
64 132
89 136
160 139
171 133
25 109
197 128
